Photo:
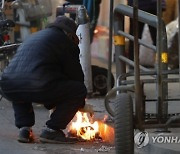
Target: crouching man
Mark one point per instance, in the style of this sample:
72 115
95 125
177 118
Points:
46 69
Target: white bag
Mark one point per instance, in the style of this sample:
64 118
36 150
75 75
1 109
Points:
146 55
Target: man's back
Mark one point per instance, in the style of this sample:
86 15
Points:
38 61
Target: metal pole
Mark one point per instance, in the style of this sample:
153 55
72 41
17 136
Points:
110 44
159 64
24 31
179 34
119 44
84 45
138 90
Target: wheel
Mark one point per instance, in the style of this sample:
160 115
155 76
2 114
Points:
124 131
99 80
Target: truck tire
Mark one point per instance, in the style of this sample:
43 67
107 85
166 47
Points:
99 80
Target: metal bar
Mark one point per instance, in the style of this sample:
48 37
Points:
169 99
130 62
153 72
125 82
179 35
10 46
138 91
119 42
112 92
130 37
159 64
110 44
143 16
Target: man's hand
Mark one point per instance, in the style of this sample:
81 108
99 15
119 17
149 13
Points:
87 108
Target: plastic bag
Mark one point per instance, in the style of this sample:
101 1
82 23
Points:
172 41
146 55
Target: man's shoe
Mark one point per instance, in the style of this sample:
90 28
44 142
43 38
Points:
25 135
52 136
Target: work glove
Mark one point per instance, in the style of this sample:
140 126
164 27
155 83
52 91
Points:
87 108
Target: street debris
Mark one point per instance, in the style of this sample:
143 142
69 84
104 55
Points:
104 149
40 148
82 150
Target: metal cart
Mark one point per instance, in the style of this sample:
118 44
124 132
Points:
128 114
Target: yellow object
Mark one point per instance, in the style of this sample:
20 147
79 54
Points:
17 28
164 57
34 29
119 40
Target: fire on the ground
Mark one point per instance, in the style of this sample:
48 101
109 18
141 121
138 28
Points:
84 127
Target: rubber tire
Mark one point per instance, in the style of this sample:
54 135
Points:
99 80
124 131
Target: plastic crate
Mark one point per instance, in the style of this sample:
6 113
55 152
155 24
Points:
35 9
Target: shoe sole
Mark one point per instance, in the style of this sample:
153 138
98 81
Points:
44 140
24 140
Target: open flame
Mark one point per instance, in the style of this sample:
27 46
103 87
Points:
84 127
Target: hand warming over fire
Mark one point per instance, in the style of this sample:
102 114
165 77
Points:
87 108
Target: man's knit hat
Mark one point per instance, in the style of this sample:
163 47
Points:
67 24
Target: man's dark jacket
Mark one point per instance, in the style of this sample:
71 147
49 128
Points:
46 58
